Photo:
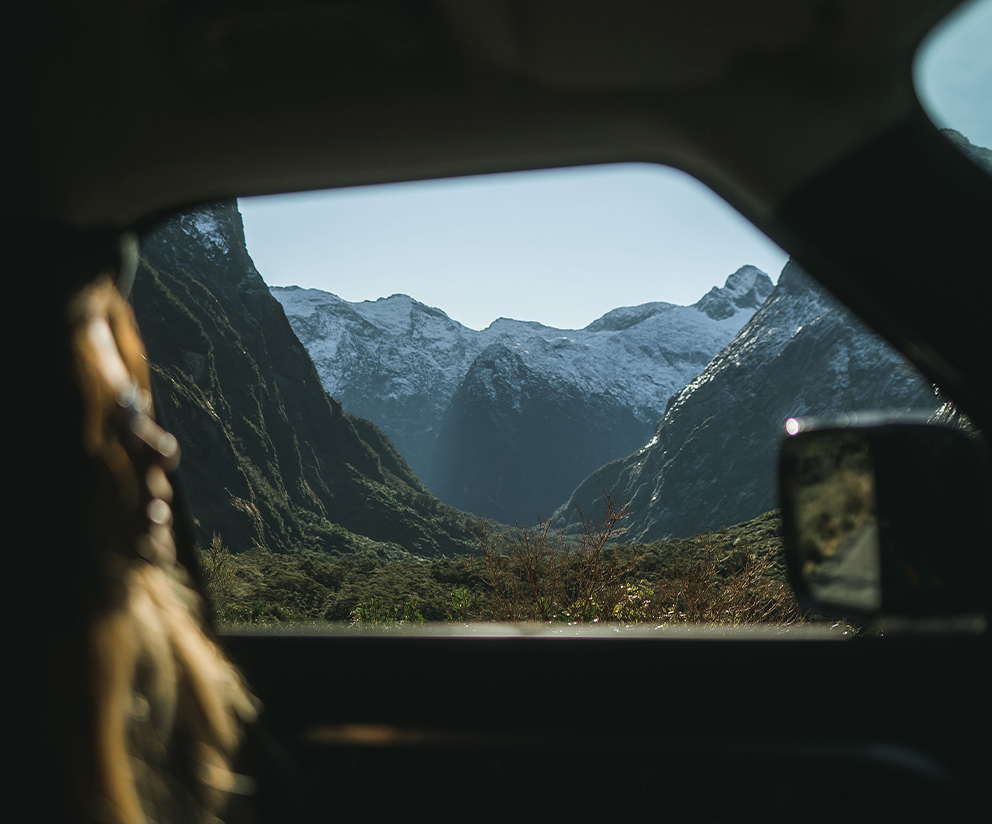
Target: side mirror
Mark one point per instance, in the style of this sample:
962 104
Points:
886 520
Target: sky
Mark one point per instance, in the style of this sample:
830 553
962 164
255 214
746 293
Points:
953 73
562 246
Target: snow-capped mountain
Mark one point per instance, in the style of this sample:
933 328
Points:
712 460
518 410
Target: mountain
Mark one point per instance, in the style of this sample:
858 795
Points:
979 155
269 458
711 460
393 361
512 441
504 422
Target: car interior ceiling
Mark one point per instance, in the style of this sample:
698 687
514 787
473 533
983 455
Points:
801 115
785 100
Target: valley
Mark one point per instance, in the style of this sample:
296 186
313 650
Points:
309 426
505 422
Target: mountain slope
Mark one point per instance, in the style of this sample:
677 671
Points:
268 457
505 421
711 461
512 442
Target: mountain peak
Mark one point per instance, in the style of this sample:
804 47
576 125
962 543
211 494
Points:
216 226
746 278
746 289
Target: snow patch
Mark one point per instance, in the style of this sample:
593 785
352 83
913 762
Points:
211 231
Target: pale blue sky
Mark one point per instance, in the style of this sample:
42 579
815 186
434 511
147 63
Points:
953 73
561 246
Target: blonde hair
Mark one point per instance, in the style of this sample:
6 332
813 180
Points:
149 713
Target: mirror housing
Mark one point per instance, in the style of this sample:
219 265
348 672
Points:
886 519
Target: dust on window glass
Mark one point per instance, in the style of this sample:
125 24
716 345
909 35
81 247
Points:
553 397
953 77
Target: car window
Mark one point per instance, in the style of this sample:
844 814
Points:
550 397
953 78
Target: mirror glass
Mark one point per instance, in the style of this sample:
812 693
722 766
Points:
832 496
886 519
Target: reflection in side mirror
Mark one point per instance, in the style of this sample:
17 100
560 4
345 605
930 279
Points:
886 520
834 515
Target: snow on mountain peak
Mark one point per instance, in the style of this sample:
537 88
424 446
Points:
626 317
745 290
207 225
399 362
749 283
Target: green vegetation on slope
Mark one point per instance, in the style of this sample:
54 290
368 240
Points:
269 459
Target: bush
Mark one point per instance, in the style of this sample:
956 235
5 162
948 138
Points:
725 587
375 613
217 569
540 575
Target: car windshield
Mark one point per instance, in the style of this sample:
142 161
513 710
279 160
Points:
552 397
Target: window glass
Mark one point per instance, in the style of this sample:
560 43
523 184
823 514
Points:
953 76
552 396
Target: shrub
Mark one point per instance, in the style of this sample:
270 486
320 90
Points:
461 605
540 575
375 613
217 569
716 583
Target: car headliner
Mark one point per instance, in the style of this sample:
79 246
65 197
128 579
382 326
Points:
801 113
143 106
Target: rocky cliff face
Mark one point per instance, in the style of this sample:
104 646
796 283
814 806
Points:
505 421
268 457
711 461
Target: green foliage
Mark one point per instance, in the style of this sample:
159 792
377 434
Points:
731 577
217 569
269 457
461 604
253 613
375 613
635 603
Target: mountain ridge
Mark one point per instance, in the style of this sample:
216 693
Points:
401 364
